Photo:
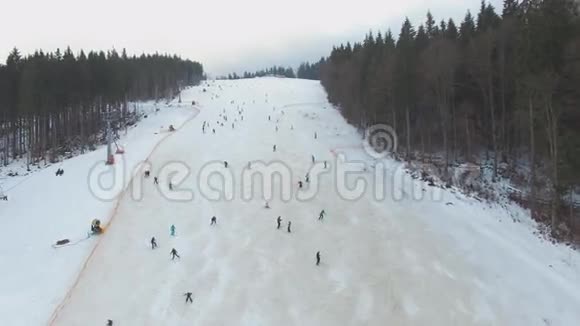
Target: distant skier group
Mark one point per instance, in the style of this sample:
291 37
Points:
213 221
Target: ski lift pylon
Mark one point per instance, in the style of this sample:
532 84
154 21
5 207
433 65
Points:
120 149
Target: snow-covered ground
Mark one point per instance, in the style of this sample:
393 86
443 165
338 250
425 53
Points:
44 208
414 255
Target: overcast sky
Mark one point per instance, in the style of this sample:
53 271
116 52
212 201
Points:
223 35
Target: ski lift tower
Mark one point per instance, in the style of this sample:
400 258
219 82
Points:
179 90
110 157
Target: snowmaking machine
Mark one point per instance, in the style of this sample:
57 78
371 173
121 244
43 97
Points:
96 227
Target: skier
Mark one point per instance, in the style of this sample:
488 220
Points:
315 135
155 180
274 148
213 130
325 164
313 159
226 164
321 216
317 258
213 221
300 184
109 322
174 254
170 186
269 118
276 128
147 173
172 230
307 177
188 297
249 165
267 205
153 243
279 220
289 224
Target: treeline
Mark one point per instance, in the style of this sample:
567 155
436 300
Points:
287 72
308 70
498 89
56 102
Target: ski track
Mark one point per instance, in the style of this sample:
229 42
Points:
383 263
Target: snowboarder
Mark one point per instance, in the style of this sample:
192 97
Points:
213 220
300 184
153 243
226 164
174 254
147 173
317 258
188 297
172 230
155 180
289 224
321 216
279 220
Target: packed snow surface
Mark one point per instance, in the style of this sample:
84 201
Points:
397 252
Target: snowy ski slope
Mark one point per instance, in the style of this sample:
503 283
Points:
401 260
43 208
